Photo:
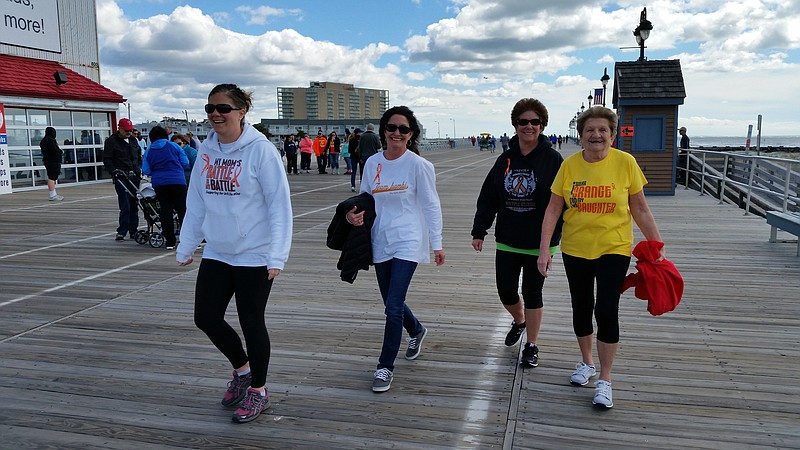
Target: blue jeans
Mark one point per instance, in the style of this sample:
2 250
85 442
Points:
394 277
128 208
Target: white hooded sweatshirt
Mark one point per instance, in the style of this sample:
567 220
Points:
238 201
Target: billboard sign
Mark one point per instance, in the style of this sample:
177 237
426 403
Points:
31 23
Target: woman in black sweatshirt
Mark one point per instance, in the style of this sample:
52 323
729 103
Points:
517 191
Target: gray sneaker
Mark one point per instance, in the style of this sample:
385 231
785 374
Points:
56 198
415 344
602 395
382 381
582 374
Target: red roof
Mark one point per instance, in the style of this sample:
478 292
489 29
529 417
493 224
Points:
26 77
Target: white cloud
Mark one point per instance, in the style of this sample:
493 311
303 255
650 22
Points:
416 76
739 58
263 14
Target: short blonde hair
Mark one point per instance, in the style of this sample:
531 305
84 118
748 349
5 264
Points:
598 112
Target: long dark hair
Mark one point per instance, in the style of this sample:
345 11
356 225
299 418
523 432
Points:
412 122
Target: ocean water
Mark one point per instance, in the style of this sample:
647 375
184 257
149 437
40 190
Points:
739 141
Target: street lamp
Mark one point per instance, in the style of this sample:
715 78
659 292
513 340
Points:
454 127
642 32
438 129
604 79
582 107
589 99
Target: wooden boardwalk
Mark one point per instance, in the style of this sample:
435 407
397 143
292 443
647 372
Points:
98 348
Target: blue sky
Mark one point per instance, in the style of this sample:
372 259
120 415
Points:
461 63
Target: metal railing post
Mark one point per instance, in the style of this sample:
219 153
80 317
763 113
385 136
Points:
750 185
703 176
724 177
786 185
688 174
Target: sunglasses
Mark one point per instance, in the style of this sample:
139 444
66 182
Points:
391 128
523 122
222 108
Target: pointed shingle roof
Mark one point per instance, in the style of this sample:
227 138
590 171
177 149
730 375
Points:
640 80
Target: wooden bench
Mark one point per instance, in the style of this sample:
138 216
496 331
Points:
785 221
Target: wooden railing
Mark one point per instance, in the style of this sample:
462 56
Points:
756 184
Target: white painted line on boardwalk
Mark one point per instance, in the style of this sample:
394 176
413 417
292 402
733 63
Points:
63 244
82 280
48 204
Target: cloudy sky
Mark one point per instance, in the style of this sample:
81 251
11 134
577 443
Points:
457 63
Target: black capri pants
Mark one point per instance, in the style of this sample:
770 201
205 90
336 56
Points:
508 266
216 283
609 272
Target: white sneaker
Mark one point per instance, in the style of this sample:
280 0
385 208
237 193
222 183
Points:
583 372
602 394
56 198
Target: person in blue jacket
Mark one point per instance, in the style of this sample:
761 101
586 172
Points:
182 141
165 163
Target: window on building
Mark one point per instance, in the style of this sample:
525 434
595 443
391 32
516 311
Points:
80 134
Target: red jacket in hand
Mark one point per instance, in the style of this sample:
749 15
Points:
659 283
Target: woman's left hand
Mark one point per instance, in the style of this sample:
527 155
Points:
273 273
438 256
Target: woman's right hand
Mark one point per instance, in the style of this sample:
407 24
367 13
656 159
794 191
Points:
354 218
187 262
544 262
477 244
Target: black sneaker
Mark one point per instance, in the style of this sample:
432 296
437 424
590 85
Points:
514 333
415 344
530 355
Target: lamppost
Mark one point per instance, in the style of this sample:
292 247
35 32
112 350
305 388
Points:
642 32
438 129
604 79
572 126
454 127
589 99
582 107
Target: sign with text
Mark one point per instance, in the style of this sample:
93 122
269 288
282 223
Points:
31 23
5 168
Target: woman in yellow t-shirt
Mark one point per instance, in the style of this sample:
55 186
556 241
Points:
600 191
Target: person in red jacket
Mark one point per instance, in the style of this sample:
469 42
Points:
319 149
601 192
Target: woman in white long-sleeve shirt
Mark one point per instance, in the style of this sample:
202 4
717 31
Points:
408 224
238 201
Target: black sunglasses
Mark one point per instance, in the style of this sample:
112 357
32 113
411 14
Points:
222 108
391 128
523 122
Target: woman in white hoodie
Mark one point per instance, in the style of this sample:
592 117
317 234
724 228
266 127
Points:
238 201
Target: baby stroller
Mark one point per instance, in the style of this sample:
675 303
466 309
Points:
148 203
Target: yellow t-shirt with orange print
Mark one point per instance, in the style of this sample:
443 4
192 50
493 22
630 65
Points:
597 220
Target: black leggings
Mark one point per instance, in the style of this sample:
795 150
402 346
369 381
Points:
508 265
610 272
216 283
